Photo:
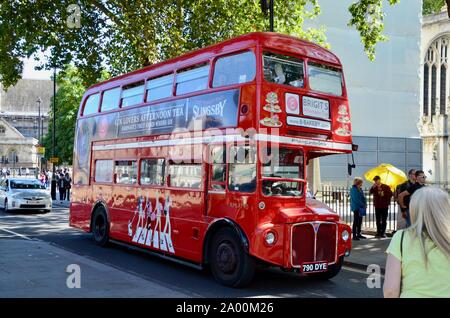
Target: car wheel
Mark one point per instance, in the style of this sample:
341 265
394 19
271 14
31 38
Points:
332 271
100 227
230 264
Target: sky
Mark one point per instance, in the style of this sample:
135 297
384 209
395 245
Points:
31 73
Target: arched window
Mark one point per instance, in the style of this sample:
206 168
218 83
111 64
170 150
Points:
435 92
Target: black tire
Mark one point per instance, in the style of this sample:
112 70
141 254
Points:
100 227
332 271
230 264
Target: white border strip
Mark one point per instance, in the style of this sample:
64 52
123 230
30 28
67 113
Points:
226 138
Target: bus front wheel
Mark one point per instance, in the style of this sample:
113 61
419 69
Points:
230 264
100 227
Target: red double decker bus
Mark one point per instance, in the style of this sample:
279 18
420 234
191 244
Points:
202 159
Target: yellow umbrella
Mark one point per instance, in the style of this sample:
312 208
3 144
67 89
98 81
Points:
389 175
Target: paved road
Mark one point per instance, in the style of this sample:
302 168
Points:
53 228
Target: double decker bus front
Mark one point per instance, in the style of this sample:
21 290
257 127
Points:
303 114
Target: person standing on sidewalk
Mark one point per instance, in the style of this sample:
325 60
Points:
382 195
404 204
402 216
358 206
61 189
418 261
67 185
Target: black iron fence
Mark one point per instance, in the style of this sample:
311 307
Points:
338 199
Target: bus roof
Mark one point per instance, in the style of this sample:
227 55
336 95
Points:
268 40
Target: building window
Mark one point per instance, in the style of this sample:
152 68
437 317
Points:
425 89
435 93
2 130
433 90
443 92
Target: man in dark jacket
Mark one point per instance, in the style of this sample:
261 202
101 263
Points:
404 215
382 195
61 188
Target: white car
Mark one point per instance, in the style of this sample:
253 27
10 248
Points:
24 194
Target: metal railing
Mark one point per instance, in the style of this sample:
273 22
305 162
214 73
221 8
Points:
338 199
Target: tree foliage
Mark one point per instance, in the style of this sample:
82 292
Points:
432 6
122 35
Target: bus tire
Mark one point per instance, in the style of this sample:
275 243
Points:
332 271
100 227
230 264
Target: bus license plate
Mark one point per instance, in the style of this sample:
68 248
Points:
314 267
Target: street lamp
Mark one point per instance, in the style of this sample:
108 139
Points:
39 101
268 5
53 187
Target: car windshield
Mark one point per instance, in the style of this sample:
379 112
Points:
28 184
279 164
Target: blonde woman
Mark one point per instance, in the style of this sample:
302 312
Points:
418 262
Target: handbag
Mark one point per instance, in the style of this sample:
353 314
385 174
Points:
362 211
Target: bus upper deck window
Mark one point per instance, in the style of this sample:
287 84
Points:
234 69
159 88
110 99
133 94
192 80
283 69
91 106
325 79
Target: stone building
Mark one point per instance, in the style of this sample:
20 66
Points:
19 106
435 104
17 152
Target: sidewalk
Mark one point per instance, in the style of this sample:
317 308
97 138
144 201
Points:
32 268
369 251
60 204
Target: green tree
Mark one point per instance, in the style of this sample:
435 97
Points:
68 96
120 36
432 6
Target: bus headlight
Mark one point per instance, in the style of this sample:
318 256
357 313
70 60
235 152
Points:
270 238
345 235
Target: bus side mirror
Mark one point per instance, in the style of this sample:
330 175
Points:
115 178
168 180
349 168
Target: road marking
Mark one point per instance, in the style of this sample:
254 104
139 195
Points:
17 234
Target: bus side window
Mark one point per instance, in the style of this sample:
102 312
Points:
185 176
242 169
91 105
152 172
133 94
192 80
218 167
126 172
110 99
103 171
234 69
159 88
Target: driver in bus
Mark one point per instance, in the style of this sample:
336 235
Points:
281 77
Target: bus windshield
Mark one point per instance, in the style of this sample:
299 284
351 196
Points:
279 170
325 79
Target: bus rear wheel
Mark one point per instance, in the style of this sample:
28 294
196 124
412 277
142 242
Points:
100 227
230 264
